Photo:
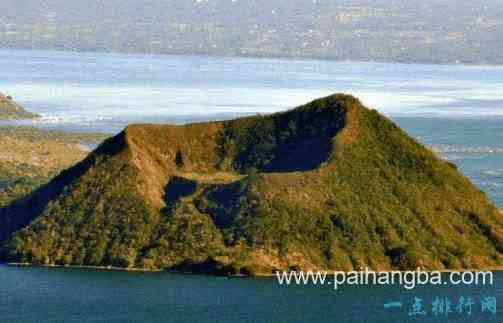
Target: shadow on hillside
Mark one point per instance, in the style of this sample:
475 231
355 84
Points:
21 212
223 202
297 140
301 155
176 189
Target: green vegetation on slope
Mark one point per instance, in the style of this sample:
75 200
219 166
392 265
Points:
329 185
30 157
17 180
298 140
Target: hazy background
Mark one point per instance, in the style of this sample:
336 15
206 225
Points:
434 31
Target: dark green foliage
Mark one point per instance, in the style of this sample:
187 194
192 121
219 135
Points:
95 219
186 236
223 203
389 190
17 180
403 257
177 188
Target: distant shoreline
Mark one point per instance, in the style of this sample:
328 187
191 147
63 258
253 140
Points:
259 57
98 268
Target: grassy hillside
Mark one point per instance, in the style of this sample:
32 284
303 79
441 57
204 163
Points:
329 185
30 157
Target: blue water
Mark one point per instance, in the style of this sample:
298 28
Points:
107 91
475 145
62 295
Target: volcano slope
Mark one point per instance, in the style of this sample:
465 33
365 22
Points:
328 185
10 110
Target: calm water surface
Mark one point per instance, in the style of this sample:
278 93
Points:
107 91
63 295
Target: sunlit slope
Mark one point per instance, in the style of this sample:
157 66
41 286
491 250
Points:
328 185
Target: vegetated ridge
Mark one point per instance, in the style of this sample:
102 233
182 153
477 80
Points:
328 185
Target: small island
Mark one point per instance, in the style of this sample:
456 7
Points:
10 110
331 185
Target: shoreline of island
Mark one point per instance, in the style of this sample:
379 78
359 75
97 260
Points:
258 275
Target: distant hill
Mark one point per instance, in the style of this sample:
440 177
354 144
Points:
328 185
30 157
10 110
428 31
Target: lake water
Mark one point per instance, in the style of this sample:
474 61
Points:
456 110
62 295
107 91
